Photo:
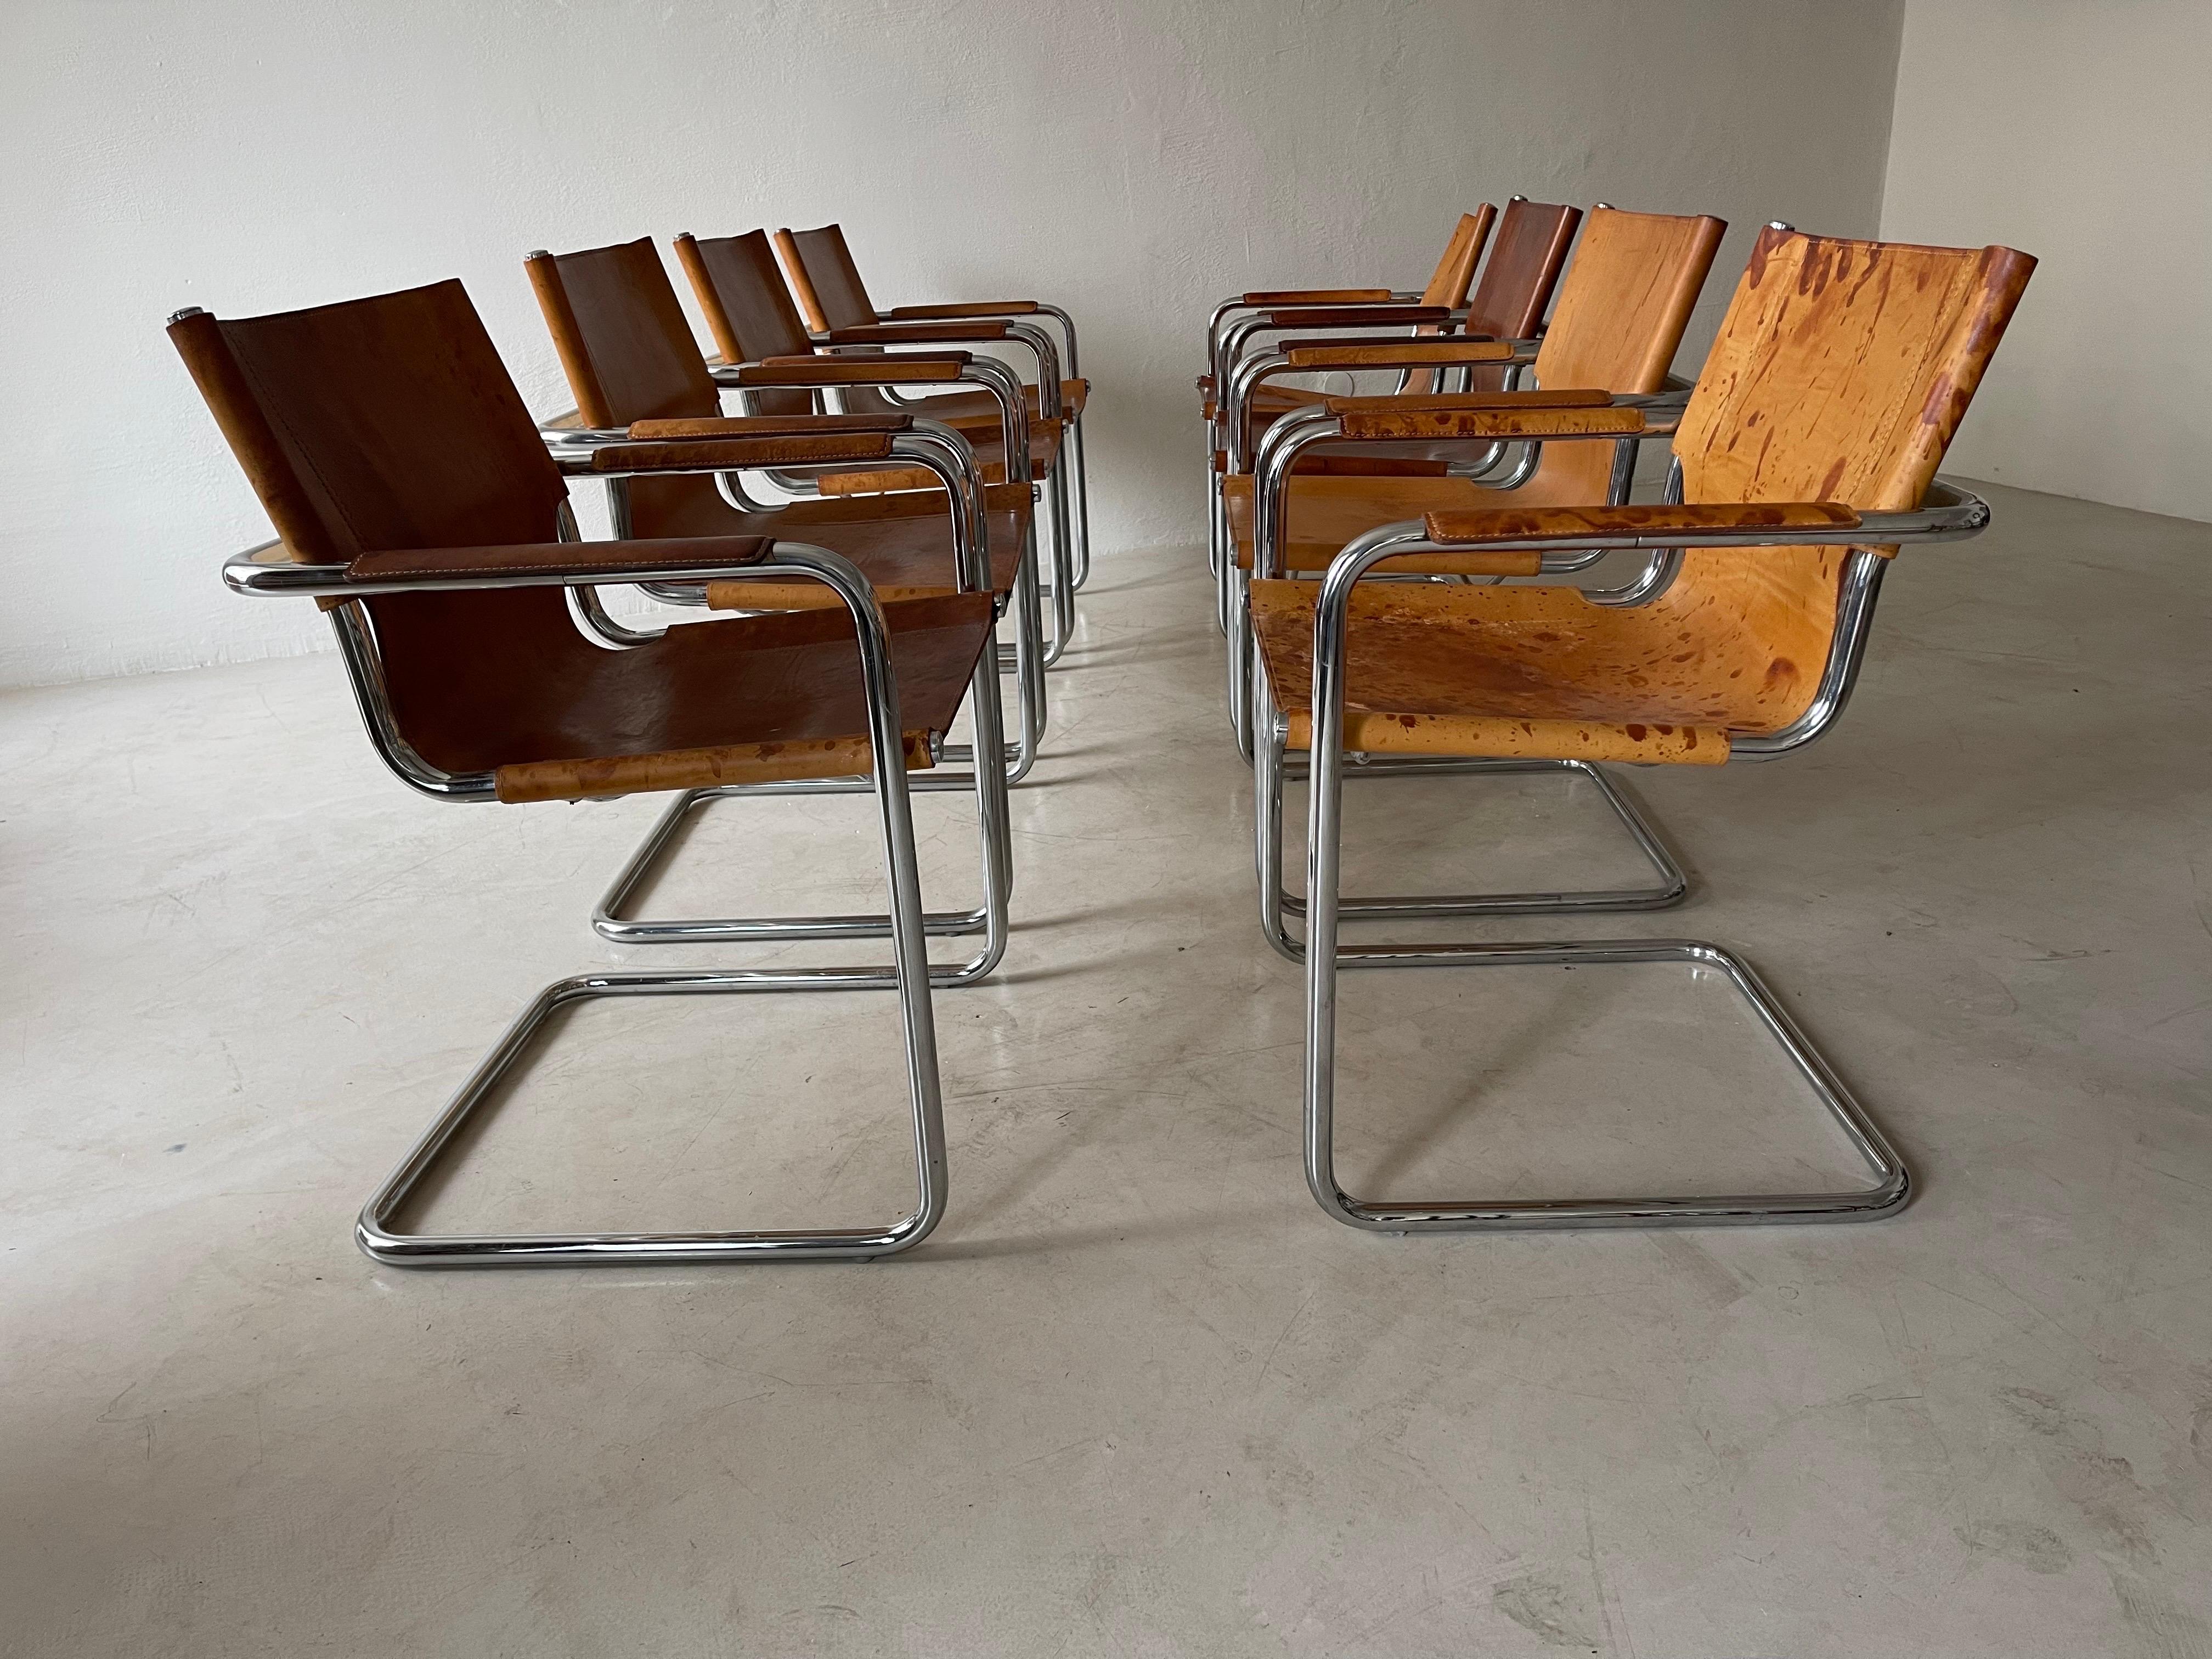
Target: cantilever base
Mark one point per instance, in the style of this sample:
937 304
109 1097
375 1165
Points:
1892 1181
372 1233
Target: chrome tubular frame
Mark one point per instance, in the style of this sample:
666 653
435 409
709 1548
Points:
905 975
1066 558
946 454
1950 515
1029 657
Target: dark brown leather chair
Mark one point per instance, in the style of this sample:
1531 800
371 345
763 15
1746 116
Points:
417 503
635 370
840 317
766 355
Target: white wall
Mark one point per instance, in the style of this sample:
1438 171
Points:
2081 133
1132 161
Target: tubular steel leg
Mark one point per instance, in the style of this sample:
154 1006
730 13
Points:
1081 476
1062 590
988 919
905 975
1326 957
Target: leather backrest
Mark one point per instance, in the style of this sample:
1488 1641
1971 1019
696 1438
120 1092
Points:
1455 269
742 293
1622 309
1526 254
628 352
1841 372
384 422
1842 369
1447 286
748 308
823 278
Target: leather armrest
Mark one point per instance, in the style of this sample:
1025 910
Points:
1565 413
1438 353
714 454
913 333
1317 296
1574 524
955 312
1367 317
855 371
582 560
768 425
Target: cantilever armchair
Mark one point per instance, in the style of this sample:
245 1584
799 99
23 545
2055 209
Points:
826 281
1602 366
769 358
1808 454
1446 292
638 379
1495 338
418 505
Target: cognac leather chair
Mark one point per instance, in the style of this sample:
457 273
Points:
1621 311
1447 292
764 344
417 504
1805 458
1490 340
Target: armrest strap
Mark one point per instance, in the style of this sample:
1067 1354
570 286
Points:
963 309
1452 402
913 333
582 560
1575 524
1476 418
1372 316
1317 296
1395 354
768 425
715 453
855 371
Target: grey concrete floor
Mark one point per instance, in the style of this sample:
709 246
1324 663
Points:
1137 1396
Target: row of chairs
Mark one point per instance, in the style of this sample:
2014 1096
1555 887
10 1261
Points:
1430 580
867 519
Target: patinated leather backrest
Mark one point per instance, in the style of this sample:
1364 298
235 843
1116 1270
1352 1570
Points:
384 422
738 287
628 351
630 356
1447 286
1622 309
1841 372
1455 269
823 278
1525 259
387 423
1843 369
748 308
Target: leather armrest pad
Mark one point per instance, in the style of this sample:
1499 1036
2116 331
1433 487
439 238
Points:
768 425
855 371
582 560
1563 413
959 309
1316 296
1452 402
1394 354
1569 524
1374 316
694 454
914 333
